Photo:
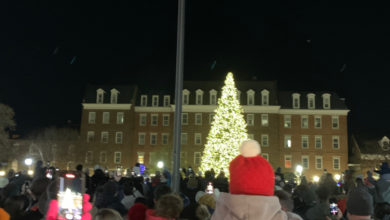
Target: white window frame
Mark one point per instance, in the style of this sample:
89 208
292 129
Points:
317 137
264 97
296 100
184 118
103 135
250 99
167 101
141 138
154 119
186 97
333 162
211 118
311 101
89 157
119 137
182 138
337 118
315 121
155 100
198 138
213 97
166 119
308 161
117 153
100 94
91 117
250 119
304 125
326 101
90 136
287 121
197 158
108 118
303 138
287 141
288 157
163 136
153 136
322 163
199 97
264 117
338 142
265 156
103 157
120 117
144 100
263 142
198 118
143 119
114 96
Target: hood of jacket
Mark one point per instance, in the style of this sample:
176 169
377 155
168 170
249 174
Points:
247 207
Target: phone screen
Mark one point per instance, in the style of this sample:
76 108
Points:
70 197
210 188
333 209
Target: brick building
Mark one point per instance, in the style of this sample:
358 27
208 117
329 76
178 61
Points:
122 125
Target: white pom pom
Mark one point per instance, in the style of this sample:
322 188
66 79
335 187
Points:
250 148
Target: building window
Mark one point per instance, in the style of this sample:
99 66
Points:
305 141
141 138
211 118
184 118
264 120
198 118
197 158
304 121
336 142
103 157
167 100
117 157
319 162
250 97
287 161
287 141
311 101
250 119
264 140
155 100
106 117
90 136
199 97
296 100
154 120
186 97
141 157
165 120
164 138
335 122
120 118
287 121
251 136
305 162
265 156
118 137
104 137
114 96
317 121
264 97
318 142
336 163
89 157
144 100
99 96
142 119
198 138
92 117
213 97
153 138
183 138
326 100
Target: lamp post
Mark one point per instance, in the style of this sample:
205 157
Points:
160 164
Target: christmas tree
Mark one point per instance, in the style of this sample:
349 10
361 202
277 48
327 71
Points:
228 131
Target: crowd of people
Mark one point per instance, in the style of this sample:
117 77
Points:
252 191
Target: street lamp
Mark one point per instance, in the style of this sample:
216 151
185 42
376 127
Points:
337 177
28 161
299 169
316 179
160 164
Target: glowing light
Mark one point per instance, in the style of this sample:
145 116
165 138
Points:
289 143
316 179
70 176
337 177
160 164
30 172
28 161
2 173
299 169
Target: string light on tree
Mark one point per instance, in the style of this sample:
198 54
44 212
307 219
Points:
228 131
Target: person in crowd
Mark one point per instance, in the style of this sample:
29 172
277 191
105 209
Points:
221 182
321 209
131 194
251 188
34 192
287 204
4 215
360 205
15 206
39 171
111 197
168 207
98 179
138 210
202 213
107 214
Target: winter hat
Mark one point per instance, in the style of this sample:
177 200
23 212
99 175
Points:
250 173
207 200
360 202
3 182
4 215
137 211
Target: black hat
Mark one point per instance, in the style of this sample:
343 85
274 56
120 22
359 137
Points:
360 202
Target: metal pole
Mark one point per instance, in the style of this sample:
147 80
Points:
178 96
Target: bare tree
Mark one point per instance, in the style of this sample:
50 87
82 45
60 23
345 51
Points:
7 123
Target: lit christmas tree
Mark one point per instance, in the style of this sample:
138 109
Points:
228 131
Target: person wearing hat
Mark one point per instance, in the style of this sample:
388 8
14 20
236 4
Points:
359 205
251 188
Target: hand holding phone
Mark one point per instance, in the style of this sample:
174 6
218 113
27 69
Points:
70 199
333 209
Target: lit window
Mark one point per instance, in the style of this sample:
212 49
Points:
287 161
117 157
153 138
155 100
118 137
305 162
264 120
317 121
142 119
144 100
213 97
90 136
335 122
199 97
265 156
183 138
198 138
250 97
336 163
305 141
287 141
103 157
184 118
99 96
287 121
154 120
141 138
211 118
318 162
296 100
197 158
167 100
318 142
336 142
326 100
106 117
198 118
119 117
165 120
311 101
114 96
264 140
304 121
141 157
186 97
250 119
164 138
104 137
92 117
89 157
264 97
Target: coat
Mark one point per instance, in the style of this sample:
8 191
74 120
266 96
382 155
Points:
248 207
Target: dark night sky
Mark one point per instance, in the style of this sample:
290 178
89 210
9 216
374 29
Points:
305 45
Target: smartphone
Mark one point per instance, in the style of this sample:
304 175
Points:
334 210
70 197
210 188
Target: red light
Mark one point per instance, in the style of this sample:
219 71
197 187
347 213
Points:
70 176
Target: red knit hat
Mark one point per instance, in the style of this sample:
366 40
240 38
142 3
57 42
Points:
250 173
137 212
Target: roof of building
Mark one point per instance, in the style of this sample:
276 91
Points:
371 143
126 93
286 100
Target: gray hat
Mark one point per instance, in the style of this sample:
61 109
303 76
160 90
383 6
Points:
360 202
